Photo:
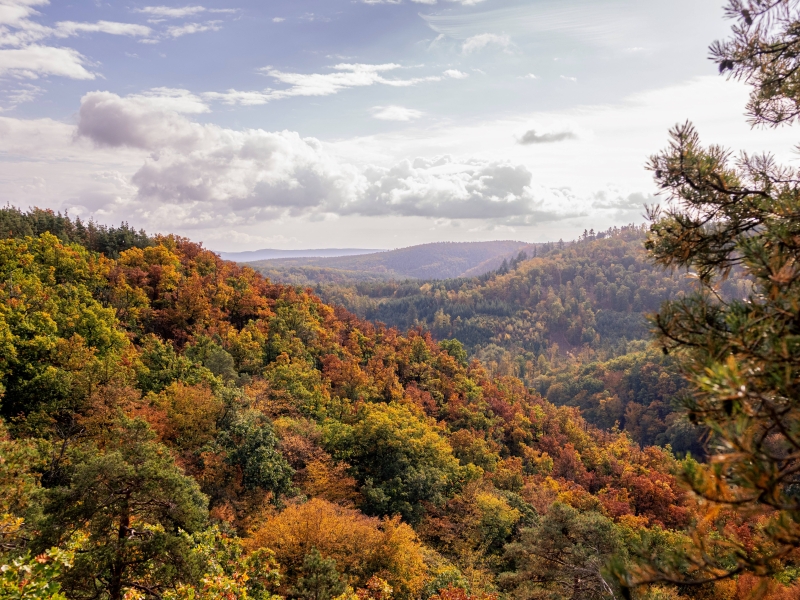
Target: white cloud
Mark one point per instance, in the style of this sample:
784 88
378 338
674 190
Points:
148 121
189 174
443 188
69 28
456 74
395 113
22 54
572 79
313 17
204 174
34 61
190 28
19 31
482 40
170 99
13 12
278 19
345 76
171 12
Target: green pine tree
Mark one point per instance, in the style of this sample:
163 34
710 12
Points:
320 580
741 355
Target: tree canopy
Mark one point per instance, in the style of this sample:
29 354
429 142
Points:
728 217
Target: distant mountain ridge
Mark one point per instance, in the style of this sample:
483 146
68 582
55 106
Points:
273 253
440 260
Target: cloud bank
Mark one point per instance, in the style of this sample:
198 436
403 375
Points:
202 173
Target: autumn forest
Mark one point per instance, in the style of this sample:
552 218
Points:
605 418
178 426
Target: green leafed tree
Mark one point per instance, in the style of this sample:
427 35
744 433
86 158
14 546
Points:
56 339
727 216
401 460
33 578
251 447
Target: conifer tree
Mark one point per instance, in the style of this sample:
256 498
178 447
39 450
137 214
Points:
320 580
741 355
125 506
563 557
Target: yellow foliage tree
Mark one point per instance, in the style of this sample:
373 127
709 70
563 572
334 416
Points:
361 546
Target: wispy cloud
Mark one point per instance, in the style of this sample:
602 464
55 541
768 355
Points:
190 28
17 29
240 97
22 93
482 40
593 23
181 12
70 28
344 76
395 113
33 61
24 51
171 12
312 17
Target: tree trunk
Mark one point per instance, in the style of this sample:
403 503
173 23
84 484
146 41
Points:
118 566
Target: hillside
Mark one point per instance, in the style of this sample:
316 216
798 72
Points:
427 261
180 425
569 322
588 294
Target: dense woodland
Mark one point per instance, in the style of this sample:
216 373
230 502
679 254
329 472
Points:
176 426
569 321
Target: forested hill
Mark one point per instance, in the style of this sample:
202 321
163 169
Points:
591 293
569 322
176 426
440 260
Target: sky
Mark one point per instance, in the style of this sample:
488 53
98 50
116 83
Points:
250 124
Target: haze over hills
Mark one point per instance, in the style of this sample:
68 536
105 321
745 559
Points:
273 253
442 260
